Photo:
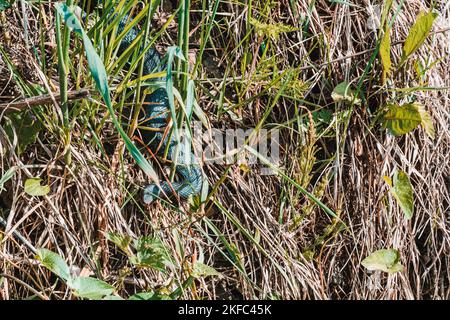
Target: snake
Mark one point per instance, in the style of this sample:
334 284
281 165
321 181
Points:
156 110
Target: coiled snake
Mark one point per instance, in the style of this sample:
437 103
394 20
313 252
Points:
156 110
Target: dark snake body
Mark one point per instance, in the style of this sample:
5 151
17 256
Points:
156 109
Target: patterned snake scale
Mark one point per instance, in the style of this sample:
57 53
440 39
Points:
156 110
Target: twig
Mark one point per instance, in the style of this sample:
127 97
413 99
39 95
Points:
44 99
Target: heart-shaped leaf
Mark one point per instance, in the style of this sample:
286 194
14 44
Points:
33 187
387 260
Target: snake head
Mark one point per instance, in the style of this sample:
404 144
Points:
151 193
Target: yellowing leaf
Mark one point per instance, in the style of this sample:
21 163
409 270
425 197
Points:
343 92
6 176
417 34
385 54
388 180
33 187
387 260
402 191
426 123
402 119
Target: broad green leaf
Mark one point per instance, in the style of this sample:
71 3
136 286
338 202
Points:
4 5
101 80
426 123
402 119
149 296
151 253
8 175
26 127
54 263
122 241
385 54
343 92
201 270
387 260
402 191
33 187
90 288
417 34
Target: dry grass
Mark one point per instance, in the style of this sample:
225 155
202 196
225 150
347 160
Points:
302 253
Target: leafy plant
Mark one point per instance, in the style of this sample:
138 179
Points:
83 287
387 260
144 252
6 176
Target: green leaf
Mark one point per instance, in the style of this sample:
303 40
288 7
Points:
426 122
417 34
151 253
387 260
54 263
149 296
343 92
90 288
4 5
25 126
402 191
385 54
98 72
201 270
402 119
122 241
8 175
33 187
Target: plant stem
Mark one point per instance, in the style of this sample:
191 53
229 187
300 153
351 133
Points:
63 66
